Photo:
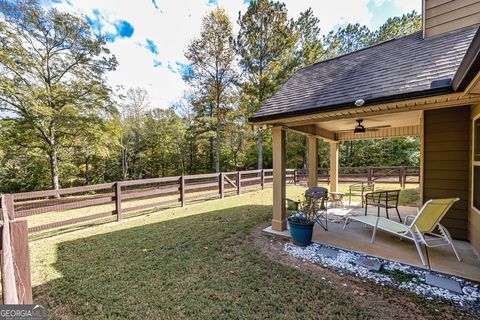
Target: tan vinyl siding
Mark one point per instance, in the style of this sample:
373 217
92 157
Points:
473 215
447 163
443 16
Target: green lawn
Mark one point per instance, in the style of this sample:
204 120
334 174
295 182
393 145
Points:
193 262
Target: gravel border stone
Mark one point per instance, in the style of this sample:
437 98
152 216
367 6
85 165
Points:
392 273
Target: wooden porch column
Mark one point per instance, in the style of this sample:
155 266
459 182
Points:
279 221
312 161
334 166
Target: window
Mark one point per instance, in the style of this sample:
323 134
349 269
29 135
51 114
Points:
476 165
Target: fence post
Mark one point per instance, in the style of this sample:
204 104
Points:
262 180
182 190
369 174
118 200
8 205
9 286
404 176
400 177
294 177
21 259
221 185
239 183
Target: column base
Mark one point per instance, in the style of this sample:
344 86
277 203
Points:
279 225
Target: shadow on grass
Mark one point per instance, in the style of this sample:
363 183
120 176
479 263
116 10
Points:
200 266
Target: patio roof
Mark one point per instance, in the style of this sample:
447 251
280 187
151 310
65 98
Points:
404 68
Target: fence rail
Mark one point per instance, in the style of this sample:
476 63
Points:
399 174
60 208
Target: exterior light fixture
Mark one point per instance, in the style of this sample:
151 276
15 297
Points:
359 102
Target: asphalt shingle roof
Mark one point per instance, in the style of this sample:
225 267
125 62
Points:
393 68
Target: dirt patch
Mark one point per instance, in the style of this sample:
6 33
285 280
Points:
381 302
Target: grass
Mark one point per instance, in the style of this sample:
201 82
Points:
193 262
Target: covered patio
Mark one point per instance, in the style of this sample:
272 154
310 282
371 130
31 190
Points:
411 86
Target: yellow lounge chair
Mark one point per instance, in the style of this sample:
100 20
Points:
425 227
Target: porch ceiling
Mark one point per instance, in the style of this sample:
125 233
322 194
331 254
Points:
395 124
403 119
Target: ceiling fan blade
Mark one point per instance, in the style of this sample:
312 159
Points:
380 127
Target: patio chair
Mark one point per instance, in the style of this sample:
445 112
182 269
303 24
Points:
360 189
424 228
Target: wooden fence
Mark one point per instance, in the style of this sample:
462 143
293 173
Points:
119 198
399 174
122 197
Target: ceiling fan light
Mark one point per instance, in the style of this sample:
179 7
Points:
359 129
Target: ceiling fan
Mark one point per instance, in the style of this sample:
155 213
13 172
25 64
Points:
360 128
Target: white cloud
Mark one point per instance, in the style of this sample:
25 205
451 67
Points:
175 23
408 5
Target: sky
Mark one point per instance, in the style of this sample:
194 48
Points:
149 37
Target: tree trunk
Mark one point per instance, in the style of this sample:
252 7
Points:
87 178
140 169
54 169
260 149
124 164
210 159
217 152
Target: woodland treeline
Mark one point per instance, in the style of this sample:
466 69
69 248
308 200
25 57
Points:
62 125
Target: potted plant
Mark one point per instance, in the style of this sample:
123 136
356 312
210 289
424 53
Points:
301 222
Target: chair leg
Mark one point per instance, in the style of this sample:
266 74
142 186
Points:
378 211
374 234
449 237
399 217
419 249
386 211
366 209
345 223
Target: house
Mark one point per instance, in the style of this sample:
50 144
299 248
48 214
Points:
425 84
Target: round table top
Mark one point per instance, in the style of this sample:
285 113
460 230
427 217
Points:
316 192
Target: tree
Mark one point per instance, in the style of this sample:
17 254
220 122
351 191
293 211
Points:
162 141
348 39
265 42
134 108
52 75
310 46
399 26
212 58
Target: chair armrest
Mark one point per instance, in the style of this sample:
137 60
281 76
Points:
410 216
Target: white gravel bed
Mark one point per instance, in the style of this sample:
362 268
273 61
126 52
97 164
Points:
413 277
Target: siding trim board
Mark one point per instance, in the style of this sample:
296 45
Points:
446 163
